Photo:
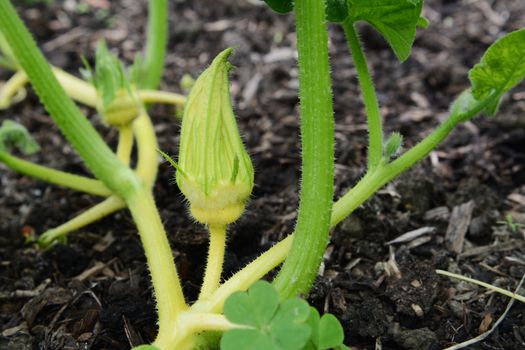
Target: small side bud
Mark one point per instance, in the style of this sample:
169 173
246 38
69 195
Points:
122 110
186 82
393 145
118 103
215 171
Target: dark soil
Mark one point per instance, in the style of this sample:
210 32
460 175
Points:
95 293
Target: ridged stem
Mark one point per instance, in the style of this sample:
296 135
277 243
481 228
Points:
317 135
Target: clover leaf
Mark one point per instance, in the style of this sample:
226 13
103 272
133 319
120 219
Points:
270 324
396 20
15 134
500 69
265 323
327 332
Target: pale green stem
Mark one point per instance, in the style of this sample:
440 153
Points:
13 90
99 211
76 182
243 279
190 324
168 291
147 159
76 88
195 322
154 96
214 263
125 144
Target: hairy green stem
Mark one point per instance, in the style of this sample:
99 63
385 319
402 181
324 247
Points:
317 131
375 129
157 39
168 291
214 263
57 177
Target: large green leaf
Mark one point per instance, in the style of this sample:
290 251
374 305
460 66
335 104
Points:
396 20
501 68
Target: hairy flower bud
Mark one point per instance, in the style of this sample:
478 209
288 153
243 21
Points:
215 172
122 110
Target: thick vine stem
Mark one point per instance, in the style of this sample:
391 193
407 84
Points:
317 133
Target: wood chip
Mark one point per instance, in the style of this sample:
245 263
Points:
437 214
94 270
417 310
458 226
419 241
486 322
411 235
499 247
517 198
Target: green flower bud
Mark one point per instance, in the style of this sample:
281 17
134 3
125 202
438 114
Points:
215 172
121 110
118 103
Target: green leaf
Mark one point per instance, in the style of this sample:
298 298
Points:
288 326
254 308
330 332
280 6
271 325
14 134
396 20
336 10
248 339
327 332
500 69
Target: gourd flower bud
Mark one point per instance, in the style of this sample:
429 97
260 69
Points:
215 172
118 103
